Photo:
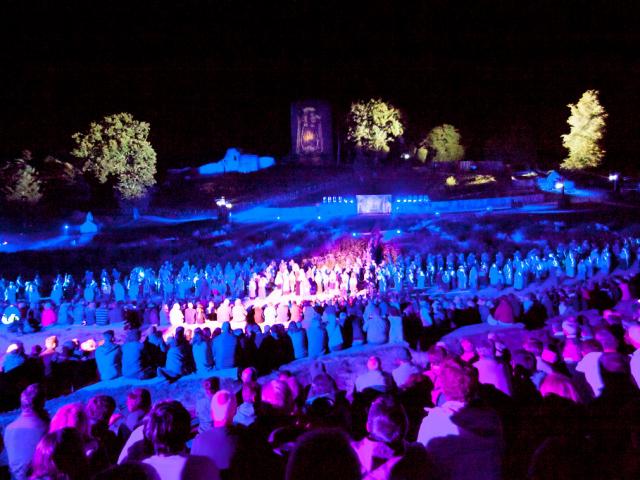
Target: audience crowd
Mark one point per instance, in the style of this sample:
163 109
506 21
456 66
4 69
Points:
563 404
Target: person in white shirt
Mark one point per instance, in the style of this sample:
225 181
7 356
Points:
465 442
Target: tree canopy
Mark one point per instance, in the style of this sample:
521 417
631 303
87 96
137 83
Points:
445 141
21 182
374 124
118 149
587 122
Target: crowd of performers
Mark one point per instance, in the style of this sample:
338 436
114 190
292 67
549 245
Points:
213 289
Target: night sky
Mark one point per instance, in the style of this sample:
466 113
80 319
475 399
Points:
210 75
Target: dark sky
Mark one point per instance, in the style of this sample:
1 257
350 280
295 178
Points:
209 75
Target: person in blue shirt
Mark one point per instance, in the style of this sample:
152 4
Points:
109 357
225 348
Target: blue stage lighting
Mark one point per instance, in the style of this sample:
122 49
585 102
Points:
398 231
319 217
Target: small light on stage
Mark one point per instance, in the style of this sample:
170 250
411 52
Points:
66 227
406 156
437 214
353 234
5 243
398 231
398 201
613 177
319 217
278 218
559 185
228 205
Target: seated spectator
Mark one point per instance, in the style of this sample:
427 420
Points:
556 384
48 316
99 410
317 338
138 405
109 357
23 434
220 442
464 441
246 413
375 378
202 355
49 354
405 369
490 370
385 448
179 358
168 430
376 328
15 357
225 348
134 357
203 405
589 365
469 353
60 454
73 415
298 339
323 454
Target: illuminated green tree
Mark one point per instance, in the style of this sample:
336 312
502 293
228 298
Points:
587 121
21 183
118 149
373 125
445 141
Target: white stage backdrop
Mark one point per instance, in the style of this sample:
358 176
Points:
374 204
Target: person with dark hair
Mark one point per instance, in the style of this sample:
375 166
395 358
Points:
465 441
23 434
225 348
168 428
179 358
246 413
109 357
60 455
323 454
134 357
202 355
203 405
385 445
138 404
99 411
